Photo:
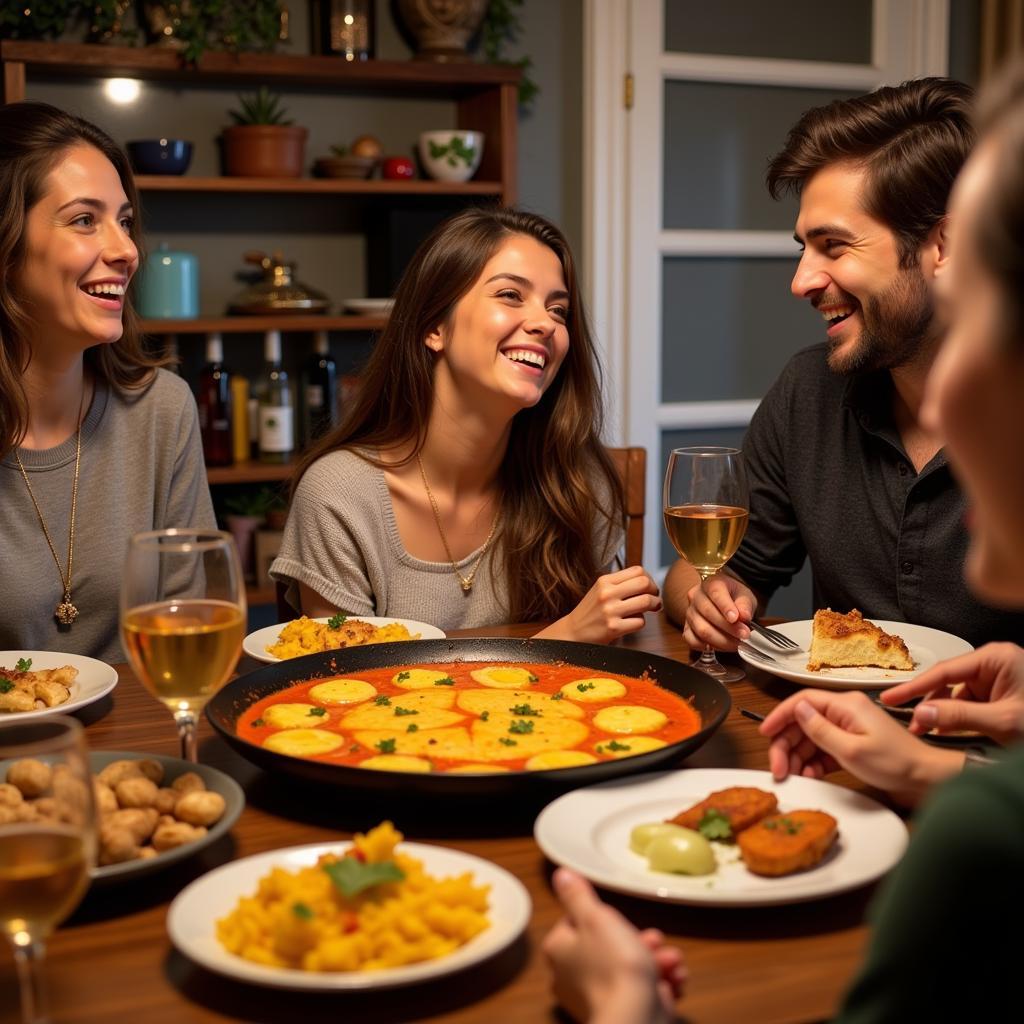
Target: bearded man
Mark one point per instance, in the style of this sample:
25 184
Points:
841 469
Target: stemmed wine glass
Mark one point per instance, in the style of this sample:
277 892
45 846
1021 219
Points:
183 616
706 509
45 858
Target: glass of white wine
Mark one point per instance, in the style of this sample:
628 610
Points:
183 617
47 847
706 508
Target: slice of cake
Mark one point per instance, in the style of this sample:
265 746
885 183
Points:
845 641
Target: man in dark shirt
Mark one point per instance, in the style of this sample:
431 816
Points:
840 467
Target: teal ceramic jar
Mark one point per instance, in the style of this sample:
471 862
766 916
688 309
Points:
169 286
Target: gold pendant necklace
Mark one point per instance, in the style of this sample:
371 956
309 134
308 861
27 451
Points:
65 612
466 581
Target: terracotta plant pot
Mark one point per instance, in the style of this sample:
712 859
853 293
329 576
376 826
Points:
264 150
443 28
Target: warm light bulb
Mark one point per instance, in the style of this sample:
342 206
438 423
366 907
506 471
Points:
122 90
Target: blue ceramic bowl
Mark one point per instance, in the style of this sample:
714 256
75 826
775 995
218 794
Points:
160 156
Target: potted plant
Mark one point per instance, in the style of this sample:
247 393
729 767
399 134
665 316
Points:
245 513
263 142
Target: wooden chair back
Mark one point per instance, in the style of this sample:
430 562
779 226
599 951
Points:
631 464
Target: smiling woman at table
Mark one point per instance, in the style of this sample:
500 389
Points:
468 485
96 443
942 946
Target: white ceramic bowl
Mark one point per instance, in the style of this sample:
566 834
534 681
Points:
451 154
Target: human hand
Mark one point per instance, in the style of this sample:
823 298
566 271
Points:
718 611
991 700
815 732
605 971
614 606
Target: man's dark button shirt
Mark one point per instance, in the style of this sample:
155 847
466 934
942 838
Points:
830 479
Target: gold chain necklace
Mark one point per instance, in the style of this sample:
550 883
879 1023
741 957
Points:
65 612
466 581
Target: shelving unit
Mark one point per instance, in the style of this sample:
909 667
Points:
485 99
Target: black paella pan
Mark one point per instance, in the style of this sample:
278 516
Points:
706 695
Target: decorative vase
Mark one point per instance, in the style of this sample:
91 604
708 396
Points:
442 28
264 150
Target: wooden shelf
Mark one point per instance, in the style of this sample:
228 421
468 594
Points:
257 324
316 186
250 472
78 60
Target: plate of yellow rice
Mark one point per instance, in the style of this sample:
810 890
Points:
312 636
376 912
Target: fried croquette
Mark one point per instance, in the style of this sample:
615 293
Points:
741 805
782 844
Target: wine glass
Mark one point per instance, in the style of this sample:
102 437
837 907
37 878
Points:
47 846
182 618
706 509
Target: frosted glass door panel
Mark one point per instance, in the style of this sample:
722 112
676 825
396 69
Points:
729 325
821 30
718 142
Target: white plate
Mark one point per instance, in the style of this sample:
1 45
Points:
927 647
588 830
368 307
256 643
192 917
95 679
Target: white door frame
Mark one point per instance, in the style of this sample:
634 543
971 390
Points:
623 241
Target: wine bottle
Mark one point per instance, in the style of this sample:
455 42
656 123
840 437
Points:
320 408
277 412
240 417
215 405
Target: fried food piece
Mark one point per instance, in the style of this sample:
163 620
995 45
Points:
30 776
785 843
742 805
844 641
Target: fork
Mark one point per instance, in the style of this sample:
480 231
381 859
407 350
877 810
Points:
774 637
757 654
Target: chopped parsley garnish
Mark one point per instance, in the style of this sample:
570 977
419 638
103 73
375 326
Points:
533 678
788 825
354 748
405 711
6 686
318 712
258 723
337 621
523 709
506 741
583 687
521 726
558 696
484 715
386 746
402 676
412 727
447 681
24 664
352 876
715 825
302 912
382 698
616 745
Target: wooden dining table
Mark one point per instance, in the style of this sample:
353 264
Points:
113 960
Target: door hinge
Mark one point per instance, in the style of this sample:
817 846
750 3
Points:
627 92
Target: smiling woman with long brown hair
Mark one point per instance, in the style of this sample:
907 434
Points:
468 485
96 442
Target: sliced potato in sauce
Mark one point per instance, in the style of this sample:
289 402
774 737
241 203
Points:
396 763
559 759
502 701
626 719
594 689
294 716
343 691
304 742
503 677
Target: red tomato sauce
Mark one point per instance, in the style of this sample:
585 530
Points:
683 719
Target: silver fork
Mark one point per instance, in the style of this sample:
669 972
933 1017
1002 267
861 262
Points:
774 637
757 654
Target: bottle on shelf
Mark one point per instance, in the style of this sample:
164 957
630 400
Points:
215 419
343 28
240 417
320 405
277 411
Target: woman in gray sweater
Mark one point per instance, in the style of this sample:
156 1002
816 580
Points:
96 442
